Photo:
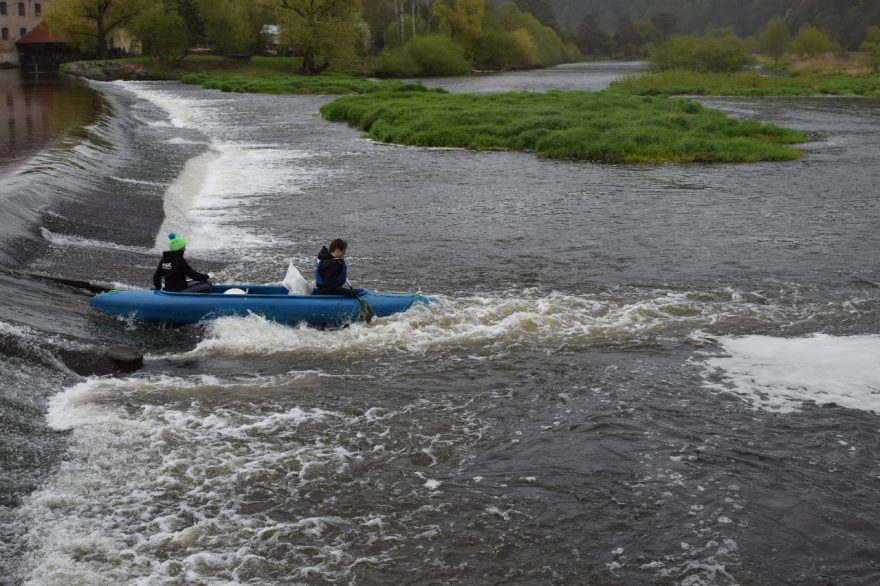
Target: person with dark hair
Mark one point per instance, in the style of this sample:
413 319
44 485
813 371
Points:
174 269
331 272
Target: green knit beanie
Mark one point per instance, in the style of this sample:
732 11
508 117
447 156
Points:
175 242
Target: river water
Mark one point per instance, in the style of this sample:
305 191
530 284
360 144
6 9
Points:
636 374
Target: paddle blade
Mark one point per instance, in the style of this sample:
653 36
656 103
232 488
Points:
366 310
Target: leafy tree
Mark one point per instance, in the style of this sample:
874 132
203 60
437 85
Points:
540 9
403 29
363 38
590 38
88 24
462 20
775 39
189 11
627 38
871 47
811 41
666 24
500 48
648 34
544 41
435 54
438 55
234 27
163 35
377 14
320 30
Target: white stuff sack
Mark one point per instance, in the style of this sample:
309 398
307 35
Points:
295 283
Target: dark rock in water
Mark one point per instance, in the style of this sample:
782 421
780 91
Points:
126 359
106 70
118 359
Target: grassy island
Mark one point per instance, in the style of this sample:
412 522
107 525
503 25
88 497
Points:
601 126
750 83
297 84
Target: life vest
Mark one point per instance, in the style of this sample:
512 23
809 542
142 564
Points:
340 281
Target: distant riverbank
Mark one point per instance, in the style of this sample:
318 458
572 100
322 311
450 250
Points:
751 84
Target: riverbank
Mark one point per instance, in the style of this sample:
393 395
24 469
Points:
786 83
256 67
298 84
598 126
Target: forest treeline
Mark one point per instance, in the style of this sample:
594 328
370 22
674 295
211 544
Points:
844 21
408 38
392 38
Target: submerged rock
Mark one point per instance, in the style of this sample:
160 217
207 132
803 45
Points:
103 361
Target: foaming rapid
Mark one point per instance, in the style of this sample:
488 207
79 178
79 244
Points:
67 240
214 192
220 195
499 324
781 374
204 492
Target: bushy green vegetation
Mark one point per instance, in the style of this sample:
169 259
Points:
810 42
871 47
569 125
430 55
721 54
298 84
751 83
470 36
163 35
775 39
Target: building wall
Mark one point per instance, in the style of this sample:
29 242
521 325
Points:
13 22
25 119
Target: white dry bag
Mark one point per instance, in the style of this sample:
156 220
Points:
295 283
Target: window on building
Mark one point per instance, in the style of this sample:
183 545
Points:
21 8
22 32
2 8
38 9
5 34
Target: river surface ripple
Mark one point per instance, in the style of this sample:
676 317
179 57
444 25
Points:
637 374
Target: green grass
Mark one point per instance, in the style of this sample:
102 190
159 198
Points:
297 84
267 75
599 126
808 83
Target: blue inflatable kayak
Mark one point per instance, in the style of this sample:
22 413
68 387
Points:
269 301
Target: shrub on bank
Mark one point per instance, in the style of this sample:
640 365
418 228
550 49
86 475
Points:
425 56
723 54
569 125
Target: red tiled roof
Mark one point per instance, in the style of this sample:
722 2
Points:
38 34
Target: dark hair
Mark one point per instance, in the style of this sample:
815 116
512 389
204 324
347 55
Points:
338 244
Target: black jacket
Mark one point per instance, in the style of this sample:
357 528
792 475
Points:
331 273
175 270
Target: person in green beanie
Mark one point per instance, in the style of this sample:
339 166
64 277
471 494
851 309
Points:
175 271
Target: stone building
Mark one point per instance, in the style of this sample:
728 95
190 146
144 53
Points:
17 17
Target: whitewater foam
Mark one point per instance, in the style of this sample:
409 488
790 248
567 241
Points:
494 325
780 374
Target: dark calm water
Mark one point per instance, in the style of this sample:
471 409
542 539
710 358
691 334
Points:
637 374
